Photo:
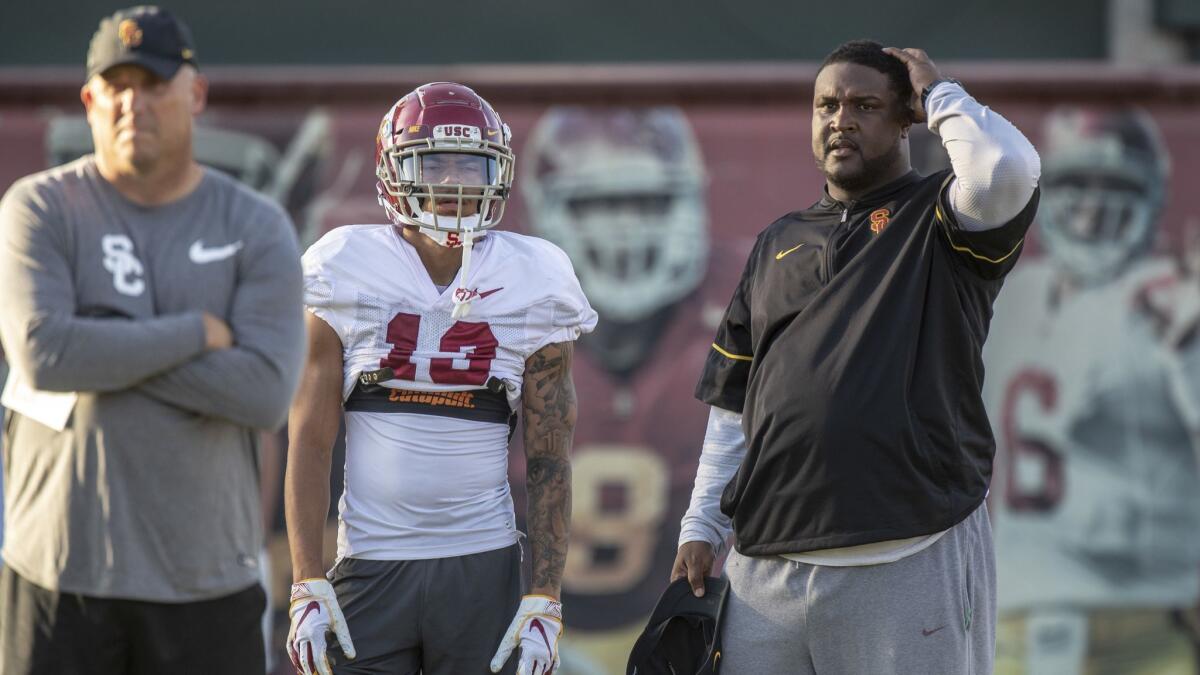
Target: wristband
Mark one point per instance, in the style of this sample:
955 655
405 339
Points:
929 89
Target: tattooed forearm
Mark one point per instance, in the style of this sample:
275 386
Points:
550 411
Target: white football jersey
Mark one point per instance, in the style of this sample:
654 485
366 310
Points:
427 450
1096 492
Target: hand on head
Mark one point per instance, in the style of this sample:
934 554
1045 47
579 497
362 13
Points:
922 72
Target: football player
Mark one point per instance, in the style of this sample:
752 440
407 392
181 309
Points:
622 191
1093 385
426 335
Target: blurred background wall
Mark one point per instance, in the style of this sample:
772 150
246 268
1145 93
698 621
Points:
654 141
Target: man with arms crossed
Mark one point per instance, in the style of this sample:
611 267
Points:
847 429
429 332
161 301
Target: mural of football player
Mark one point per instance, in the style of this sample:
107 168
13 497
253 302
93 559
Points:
1093 388
622 191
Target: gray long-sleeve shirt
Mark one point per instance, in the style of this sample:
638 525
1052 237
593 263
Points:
151 491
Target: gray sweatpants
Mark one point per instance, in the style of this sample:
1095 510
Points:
932 613
443 616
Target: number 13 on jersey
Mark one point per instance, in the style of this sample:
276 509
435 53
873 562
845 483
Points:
465 352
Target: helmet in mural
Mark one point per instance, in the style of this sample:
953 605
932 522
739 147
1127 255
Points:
622 192
1104 181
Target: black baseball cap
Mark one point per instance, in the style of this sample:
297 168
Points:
146 36
683 636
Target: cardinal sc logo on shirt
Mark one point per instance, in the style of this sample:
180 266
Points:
879 220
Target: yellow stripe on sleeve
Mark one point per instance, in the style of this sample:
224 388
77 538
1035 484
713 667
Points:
973 254
941 217
735 357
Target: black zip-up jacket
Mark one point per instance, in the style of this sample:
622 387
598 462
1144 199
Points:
852 347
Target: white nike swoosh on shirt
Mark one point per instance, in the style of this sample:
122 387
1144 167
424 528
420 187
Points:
201 255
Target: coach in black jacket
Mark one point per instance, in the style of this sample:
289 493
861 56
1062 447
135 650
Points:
848 448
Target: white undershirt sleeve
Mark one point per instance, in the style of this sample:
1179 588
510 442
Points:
720 456
996 168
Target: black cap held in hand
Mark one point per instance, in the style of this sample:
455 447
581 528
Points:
683 636
145 36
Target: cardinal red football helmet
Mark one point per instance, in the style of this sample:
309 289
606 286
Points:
444 162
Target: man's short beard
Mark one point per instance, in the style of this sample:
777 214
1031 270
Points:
871 173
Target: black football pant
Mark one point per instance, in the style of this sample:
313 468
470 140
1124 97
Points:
43 632
439 616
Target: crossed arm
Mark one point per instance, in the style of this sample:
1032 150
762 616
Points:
47 339
550 412
173 357
250 383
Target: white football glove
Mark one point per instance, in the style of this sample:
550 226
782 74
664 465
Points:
314 610
536 628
